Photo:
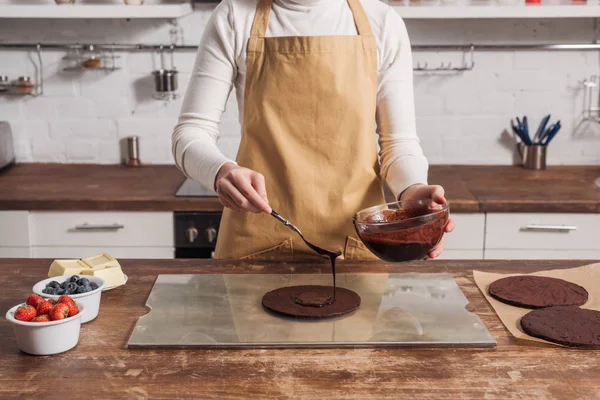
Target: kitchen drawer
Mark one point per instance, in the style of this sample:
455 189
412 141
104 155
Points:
510 231
117 252
468 234
14 228
15 252
542 254
119 229
461 255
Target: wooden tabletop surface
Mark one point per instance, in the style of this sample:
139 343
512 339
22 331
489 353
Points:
100 367
152 188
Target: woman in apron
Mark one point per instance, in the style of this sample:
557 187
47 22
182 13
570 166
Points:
313 78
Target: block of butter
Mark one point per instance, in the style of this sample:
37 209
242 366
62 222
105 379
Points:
101 265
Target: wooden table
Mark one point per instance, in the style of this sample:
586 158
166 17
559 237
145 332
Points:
100 367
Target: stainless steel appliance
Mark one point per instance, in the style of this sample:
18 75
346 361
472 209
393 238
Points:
7 152
195 232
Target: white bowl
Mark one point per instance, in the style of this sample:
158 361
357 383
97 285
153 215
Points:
45 338
91 300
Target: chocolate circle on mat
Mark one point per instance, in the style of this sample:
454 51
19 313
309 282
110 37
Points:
283 301
537 292
570 326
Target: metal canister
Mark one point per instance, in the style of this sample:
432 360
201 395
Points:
159 80
133 151
4 83
170 80
533 157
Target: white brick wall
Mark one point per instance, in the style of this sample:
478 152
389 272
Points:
461 118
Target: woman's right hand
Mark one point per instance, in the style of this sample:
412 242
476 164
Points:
242 189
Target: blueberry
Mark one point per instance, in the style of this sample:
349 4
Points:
71 288
64 284
74 278
81 289
94 286
83 282
53 284
47 290
60 291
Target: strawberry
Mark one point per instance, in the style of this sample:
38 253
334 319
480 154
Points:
41 318
44 307
73 309
65 298
53 301
59 311
34 299
25 313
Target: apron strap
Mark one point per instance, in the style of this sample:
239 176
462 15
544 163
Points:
261 19
363 27
263 10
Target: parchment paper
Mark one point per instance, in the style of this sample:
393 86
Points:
587 276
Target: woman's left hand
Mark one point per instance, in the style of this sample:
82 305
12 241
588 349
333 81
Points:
435 193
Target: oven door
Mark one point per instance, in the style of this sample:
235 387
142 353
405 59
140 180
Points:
196 234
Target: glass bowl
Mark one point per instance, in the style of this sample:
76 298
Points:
403 230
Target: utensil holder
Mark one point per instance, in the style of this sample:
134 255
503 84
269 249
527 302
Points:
532 157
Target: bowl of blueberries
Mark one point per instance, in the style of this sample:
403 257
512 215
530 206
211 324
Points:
85 290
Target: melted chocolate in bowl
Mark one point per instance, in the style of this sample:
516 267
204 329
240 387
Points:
412 241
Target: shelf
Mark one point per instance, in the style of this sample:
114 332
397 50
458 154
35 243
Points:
522 11
52 11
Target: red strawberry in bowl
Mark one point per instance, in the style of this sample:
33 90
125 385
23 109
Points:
25 313
44 307
73 309
59 311
34 299
41 318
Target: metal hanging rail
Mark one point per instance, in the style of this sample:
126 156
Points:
153 47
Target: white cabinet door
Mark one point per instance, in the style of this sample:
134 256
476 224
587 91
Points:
60 252
461 255
466 242
468 233
542 254
559 231
98 229
14 229
15 252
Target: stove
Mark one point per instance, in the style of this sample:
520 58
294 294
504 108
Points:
195 231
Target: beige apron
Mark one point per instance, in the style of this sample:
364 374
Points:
308 127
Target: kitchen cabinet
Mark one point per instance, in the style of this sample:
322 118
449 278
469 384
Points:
102 228
26 234
121 234
15 252
14 234
542 254
542 236
466 242
117 252
133 234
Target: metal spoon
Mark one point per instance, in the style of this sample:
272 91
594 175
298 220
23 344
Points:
319 250
293 227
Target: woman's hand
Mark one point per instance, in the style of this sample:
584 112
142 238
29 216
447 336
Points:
242 189
429 192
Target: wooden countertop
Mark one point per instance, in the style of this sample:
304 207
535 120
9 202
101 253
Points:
100 366
152 188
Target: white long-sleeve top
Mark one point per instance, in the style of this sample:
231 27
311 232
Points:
221 64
